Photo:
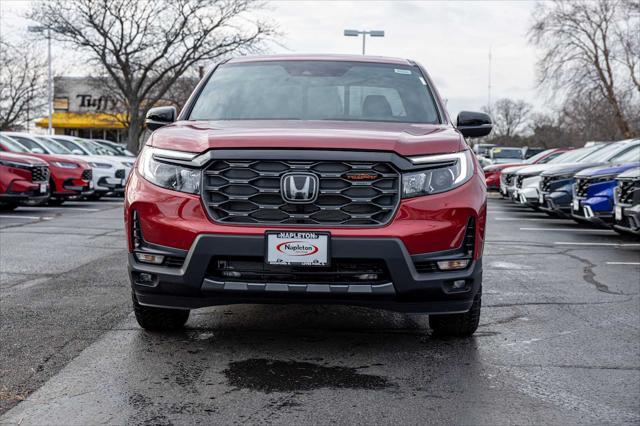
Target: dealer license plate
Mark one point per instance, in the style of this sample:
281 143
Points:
541 198
297 248
618 213
43 188
576 204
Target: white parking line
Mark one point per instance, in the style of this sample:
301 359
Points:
26 217
623 263
567 230
598 244
84 209
526 218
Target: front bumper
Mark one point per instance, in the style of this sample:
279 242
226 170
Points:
558 202
191 286
23 191
109 184
628 219
586 209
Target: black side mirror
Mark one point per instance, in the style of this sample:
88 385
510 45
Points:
474 124
160 116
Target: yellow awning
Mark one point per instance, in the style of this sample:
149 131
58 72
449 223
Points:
82 120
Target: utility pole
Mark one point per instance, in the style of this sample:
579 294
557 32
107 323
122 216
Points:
489 85
41 29
364 33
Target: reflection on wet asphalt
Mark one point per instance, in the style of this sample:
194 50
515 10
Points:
288 376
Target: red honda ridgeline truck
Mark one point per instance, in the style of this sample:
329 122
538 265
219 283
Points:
309 179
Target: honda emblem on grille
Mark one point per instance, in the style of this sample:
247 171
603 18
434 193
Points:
299 187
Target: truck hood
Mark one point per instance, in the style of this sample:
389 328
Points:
61 158
568 169
630 174
498 167
402 138
606 170
97 159
22 158
534 169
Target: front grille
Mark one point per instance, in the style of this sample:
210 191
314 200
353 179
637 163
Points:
582 185
39 174
120 173
255 270
247 191
508 179
628 191
87 174
545 183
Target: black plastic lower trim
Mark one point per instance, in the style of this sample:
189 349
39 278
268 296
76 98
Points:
185 287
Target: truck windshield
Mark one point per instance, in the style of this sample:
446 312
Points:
506 153
53 146
316 90
11 145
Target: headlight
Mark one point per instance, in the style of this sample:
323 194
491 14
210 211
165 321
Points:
562 177
444 173
64 165
604 178
168 175
101 165
15 164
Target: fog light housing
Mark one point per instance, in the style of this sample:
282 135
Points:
450 265
458 284
155 259
145 279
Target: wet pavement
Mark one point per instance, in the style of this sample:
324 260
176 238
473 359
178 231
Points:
559 343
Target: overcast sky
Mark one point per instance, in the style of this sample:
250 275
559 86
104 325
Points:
451 39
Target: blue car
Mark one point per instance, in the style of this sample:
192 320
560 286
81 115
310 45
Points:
556 184
593 192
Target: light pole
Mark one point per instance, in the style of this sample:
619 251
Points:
371 33
40 29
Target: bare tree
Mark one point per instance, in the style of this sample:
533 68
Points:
22 84
589 47
145 46
509 117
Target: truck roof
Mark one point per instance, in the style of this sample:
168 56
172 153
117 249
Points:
318 57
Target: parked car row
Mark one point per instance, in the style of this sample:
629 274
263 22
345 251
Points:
51 169
490 154
597 184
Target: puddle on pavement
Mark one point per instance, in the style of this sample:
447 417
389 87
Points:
287 376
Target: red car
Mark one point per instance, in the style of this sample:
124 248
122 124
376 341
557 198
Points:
22 178
69 177
309 179
492 172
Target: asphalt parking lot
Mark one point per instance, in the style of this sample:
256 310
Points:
559 340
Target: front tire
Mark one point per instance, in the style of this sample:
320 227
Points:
7 207
56 201
93 197
159 319
458 325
